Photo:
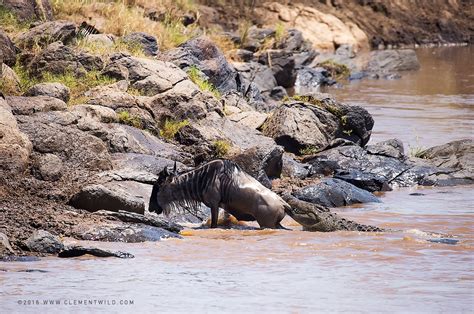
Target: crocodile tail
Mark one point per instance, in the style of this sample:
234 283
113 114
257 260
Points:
349 225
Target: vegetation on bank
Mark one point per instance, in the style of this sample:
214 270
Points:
196 76
10 23
338 71
170 128
124 117
221 148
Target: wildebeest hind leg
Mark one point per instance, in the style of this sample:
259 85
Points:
214 216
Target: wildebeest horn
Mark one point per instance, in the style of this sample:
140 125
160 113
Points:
165 171
174 167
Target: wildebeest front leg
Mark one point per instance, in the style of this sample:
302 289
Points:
214 216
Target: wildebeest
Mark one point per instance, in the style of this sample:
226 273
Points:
219 184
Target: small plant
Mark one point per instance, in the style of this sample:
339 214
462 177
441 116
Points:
417 151
125 117
135 92
97 48
9 21
280 32
171 127
196 75
338 71
221 148
309 150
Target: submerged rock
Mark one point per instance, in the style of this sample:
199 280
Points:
77 250
131 233
44 242
335 193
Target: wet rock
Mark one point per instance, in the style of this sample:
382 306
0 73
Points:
29 10
15 147
96 197
77 250
147 42
297 125
148 219
56 90
390 148
10 83
44 242
29 105
5 247
47 33
131 233
204 54
383 61
57 58
367 181
15 258
48 167
308 79
294 169
7 50
282 65
335 193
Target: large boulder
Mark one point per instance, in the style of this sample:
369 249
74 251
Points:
47 33
5 247
48 167
335 193
15 147
259 74
205 55
9 81
146 41
393 60
44 242
7 50
282 64
29 10
56 90
97 197
456 154
57 58
21 105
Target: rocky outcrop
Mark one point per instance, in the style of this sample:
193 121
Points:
44 242
56 90
47 33
5 247
30 105
335 193
386 61
29 10
147 42
9 81
7 50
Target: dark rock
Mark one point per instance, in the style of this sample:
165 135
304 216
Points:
96 197
9 80
132 233
323 167
293 41
57 58
7 50
259 74
146 41
256 37
390 148
205 55
56 90
278 93
47 33
364 180
5 247
44 242
282 65
30 105
148 219
242 55
15 258
310 79
382 61
142 162
29 10
335 193
357 76
48 167
444 241
294 169
76 250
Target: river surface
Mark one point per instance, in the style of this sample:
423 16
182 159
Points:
294 271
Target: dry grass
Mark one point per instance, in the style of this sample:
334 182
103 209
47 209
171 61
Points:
10 24
124 17
196 76
97 48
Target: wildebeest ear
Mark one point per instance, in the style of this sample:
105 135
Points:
174 168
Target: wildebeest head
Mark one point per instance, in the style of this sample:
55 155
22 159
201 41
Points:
161 191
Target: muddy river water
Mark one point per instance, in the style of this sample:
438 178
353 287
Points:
295 271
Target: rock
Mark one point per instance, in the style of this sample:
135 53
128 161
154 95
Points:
57 58
256 37
335 193
282 65
294 169
393 60
141 162
241 55
15 147
293 41
149 76
29 10
456 154
95 112
44 242
30 105
147 42
5 247
131 233
76 250
9 81
310 79
298 125
278 93
148 219
250 119
259 74
364 180
205 55
106 40
390 148
96 197
48 167
56 90
7 50
47 33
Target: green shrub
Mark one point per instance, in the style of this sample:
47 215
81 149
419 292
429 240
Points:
9 22
170 127
196 76
125 117
221 148
338 71
309 150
